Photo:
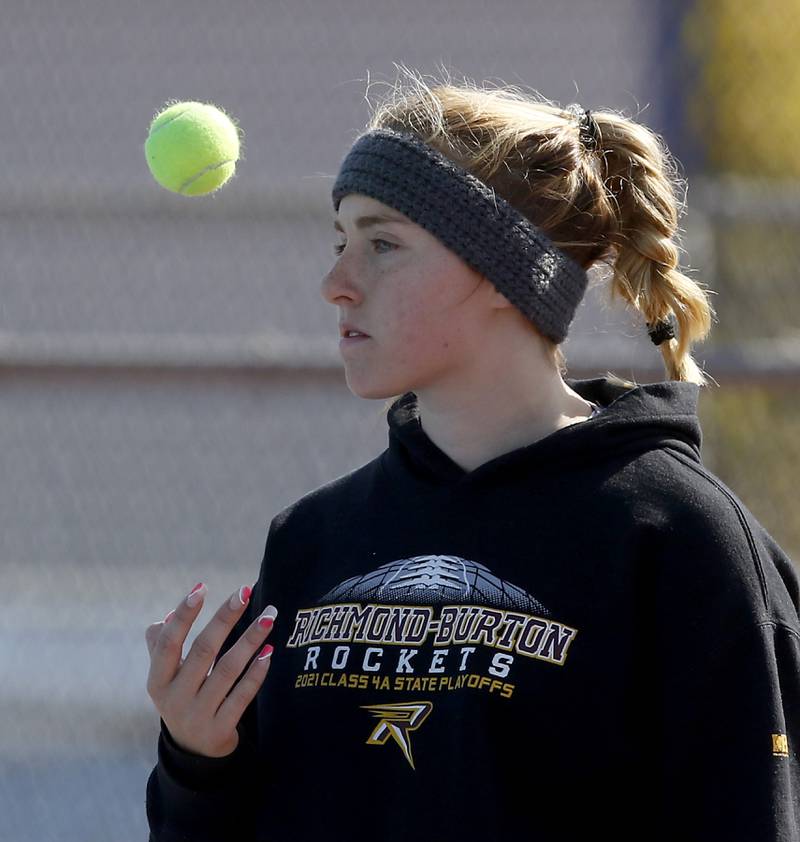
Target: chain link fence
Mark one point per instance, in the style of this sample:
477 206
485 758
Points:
169 373
741 83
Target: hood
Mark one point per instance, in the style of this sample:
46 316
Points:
633 420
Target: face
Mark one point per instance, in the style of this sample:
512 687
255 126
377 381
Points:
424 309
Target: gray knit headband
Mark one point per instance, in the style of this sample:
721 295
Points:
467 216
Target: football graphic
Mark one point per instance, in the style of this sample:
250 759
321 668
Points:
434 580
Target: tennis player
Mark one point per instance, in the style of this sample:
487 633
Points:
536 615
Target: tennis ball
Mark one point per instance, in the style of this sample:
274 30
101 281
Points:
192 148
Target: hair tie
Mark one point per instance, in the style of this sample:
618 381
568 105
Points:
665 329
588 130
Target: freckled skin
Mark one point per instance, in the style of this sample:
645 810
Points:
485 378
426 309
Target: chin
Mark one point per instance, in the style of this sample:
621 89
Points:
373 394
376 391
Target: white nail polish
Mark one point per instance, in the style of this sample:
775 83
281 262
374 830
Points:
270 611
238 599
196 595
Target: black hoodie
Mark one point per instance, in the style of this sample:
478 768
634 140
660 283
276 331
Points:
587 636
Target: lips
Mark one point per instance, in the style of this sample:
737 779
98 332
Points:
346 327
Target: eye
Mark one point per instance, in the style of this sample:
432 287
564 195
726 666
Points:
339 247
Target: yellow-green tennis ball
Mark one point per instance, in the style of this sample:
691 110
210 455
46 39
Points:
192 148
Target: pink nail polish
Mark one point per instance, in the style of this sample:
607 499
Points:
194 596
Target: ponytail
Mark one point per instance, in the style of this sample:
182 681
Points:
613 202
642 183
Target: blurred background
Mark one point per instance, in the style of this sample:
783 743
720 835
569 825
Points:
170 373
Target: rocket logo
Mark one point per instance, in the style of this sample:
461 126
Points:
397 721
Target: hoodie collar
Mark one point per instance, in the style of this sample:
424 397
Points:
633 417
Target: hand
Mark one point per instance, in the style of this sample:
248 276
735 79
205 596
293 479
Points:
200 705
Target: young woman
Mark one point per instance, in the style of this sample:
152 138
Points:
536 615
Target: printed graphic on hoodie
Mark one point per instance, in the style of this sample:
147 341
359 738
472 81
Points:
368 633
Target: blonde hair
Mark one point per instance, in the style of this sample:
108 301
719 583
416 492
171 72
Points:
617 205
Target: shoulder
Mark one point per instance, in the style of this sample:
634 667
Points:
324 505
703 541
674 491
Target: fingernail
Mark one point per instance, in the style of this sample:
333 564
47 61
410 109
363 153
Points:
240 598
265 652
196 594
268 616
169 616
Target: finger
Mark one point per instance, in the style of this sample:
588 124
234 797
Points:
235 704
165 657
231 665
151 635
207 645
154 629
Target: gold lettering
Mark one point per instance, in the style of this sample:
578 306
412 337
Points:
780 745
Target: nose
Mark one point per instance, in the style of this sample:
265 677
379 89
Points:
337 283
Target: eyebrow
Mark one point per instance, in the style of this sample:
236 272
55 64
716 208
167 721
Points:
369 221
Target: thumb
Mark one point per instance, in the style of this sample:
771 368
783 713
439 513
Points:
151 635
154 630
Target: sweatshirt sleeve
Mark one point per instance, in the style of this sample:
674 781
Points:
724 717
202 799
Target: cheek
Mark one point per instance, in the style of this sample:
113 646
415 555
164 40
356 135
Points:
433 336
419 325
433 313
